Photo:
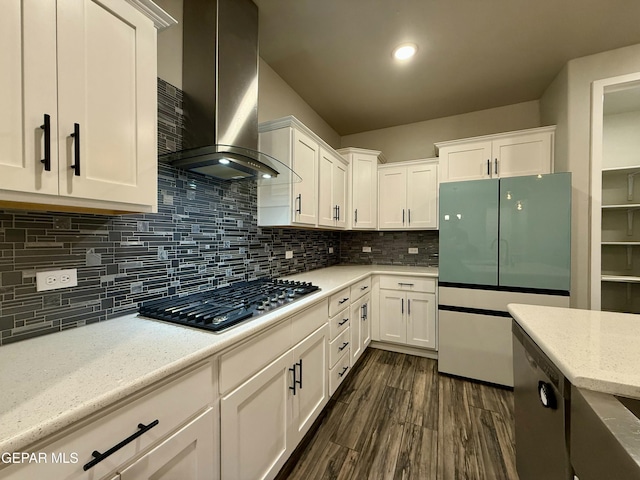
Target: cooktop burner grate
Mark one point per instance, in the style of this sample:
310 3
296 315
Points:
221 308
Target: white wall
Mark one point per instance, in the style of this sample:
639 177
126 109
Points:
415 140
277 99
621 140
567 103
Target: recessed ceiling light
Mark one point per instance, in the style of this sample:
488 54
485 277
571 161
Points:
224 161
405 51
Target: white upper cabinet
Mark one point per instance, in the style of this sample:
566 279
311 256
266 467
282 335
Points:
363 198
525 152
319 199
408 195
80 128
332 190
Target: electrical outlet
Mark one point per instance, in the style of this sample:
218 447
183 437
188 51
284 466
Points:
288 254
330 249
55 279
413 250
366 249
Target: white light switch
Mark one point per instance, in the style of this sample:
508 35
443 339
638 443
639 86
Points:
288 254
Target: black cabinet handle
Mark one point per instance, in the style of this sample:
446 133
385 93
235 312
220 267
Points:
402 305
46 126
364 288
488 167
403 216
338 207
356 216
299 200
344 320
344 370
340 302
403 284
496 165
293 369
409 215
344 345
299 382
409 306
98 457
76 149
364 311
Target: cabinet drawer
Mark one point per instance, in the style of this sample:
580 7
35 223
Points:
360 288
338 301
339 372
408 283
338 347
308 321
240 363
171 405
338 324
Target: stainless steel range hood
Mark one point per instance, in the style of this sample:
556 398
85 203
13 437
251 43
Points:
220 83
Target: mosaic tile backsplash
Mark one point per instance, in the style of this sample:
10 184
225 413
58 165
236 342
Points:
204 235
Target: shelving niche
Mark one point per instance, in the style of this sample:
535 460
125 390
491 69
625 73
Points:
620 239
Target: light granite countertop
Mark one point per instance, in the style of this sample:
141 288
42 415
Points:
51 382
594 350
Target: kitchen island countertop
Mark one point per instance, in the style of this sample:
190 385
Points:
51 382
594 350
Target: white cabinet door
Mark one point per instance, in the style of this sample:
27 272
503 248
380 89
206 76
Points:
422 187
470 161
312 390
305 192
392 316
340 182
364 184
106 101
255 423
527 154
421 319
356 331
326 204
187 454
365 318
392 198
28 89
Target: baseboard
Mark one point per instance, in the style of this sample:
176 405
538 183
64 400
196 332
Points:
393 347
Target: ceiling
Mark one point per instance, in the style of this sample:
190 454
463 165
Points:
473 54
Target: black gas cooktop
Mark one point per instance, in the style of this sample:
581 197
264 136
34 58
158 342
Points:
221 308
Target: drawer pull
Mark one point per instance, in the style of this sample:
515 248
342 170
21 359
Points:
340 302
344 370
344 320
344 345
98 457
402 284
364 288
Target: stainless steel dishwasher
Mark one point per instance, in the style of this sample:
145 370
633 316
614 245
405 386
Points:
540 406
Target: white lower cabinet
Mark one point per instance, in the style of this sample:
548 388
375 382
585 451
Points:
166 438
360 327
408 311
184 455
263 419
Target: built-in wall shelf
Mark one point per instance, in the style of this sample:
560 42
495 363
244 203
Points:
622 170
624 244
630 206
620 278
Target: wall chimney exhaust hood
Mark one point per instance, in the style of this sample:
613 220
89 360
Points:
220 83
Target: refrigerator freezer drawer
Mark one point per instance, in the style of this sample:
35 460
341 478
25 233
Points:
476 346
494 299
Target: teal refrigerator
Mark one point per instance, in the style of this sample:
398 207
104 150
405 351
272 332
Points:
501 241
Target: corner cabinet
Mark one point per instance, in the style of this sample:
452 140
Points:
332 190
408 193
408 311
363 198
523 152
80 106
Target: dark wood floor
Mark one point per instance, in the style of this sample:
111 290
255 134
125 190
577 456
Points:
395 417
